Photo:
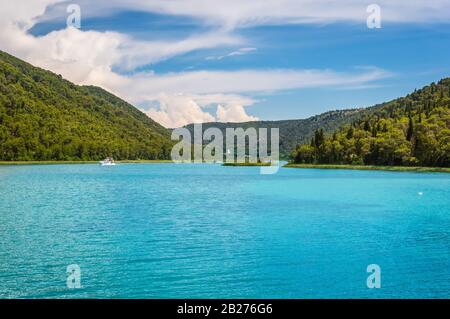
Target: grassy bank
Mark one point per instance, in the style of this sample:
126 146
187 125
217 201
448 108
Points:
372 168
80 162
45 162
144 161
246 164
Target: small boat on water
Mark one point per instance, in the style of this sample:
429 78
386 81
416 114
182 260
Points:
109 161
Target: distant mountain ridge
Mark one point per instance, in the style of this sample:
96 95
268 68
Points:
44 117
293 132
432 100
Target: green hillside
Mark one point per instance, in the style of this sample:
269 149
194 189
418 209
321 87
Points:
409 131
293 132
44 117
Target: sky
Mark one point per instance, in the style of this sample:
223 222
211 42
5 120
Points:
193 61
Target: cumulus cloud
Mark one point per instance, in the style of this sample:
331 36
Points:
233 113
78 53
178 110
24 14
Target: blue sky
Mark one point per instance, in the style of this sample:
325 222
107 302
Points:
189 60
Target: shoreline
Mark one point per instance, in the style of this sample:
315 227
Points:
17 163
417 169
246 164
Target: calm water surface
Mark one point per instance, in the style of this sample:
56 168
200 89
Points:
207 231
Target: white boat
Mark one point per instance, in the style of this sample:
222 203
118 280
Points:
109 161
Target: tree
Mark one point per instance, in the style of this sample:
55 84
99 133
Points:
410 131
350 133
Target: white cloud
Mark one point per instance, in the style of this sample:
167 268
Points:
78 53
143 86
231 14
240 51
178 110
235 13
23 13
233 113
138 53
206 100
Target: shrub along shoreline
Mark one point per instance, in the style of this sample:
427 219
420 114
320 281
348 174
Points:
418 169
4 163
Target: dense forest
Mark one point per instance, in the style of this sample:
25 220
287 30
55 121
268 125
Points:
293 132
44 117
409 131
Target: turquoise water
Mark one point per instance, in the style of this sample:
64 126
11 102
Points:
207 231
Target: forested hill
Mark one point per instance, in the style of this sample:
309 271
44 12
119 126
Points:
293 132
410 131
44 117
